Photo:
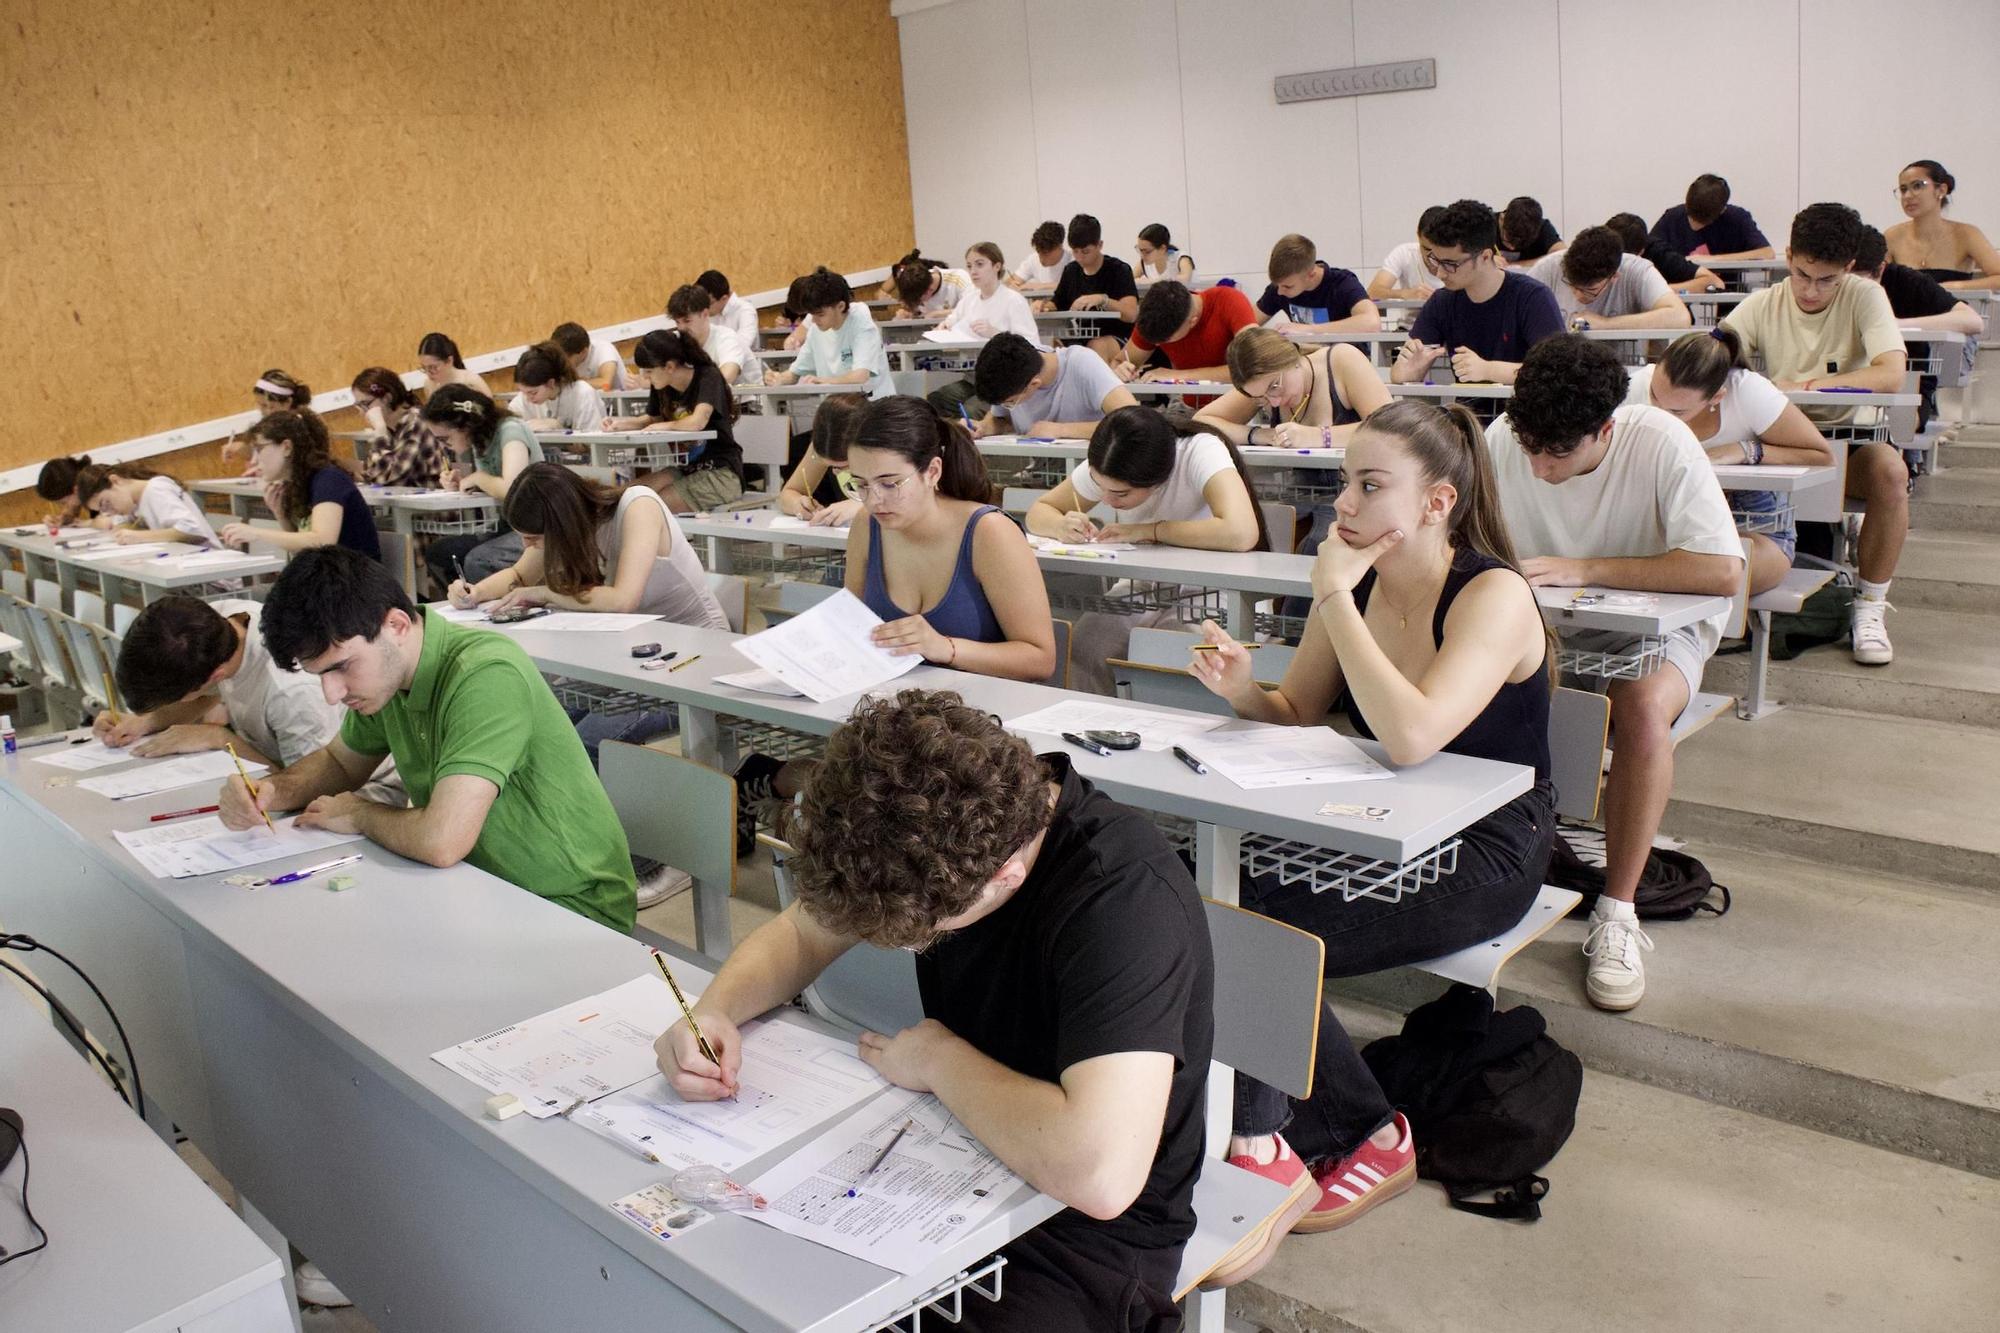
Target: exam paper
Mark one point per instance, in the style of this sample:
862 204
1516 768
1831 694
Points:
1262 755
763 682
1157 731
825 652
116 552
794 1079
587 622
205 847
166 774
953 338
82 758
938 1185
786 522
595 1045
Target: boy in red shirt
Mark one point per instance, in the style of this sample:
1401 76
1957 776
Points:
1192 328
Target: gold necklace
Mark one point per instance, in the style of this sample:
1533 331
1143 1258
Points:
1305 403
1402 617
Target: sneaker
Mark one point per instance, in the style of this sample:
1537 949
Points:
1364 1178
315 1289
1255 1250
1871 636
755 784
659 881
1616 979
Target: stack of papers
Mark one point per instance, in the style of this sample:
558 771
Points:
117 552
167 774
1259 755
205 847
826 652
82 758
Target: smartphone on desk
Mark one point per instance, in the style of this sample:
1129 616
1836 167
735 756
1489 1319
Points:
515 614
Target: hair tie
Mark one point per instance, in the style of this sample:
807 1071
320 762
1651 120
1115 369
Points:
1716 333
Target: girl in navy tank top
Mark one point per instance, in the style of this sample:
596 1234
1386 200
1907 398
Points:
1425 633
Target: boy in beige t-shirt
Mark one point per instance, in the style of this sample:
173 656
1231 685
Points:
1827 328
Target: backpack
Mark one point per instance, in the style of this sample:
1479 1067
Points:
1822 618
1673 886
1490 1096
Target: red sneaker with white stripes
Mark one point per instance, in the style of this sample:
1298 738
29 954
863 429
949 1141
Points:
1365 1177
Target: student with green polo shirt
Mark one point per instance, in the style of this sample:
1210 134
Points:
494 770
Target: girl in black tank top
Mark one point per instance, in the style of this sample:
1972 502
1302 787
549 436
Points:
1426 634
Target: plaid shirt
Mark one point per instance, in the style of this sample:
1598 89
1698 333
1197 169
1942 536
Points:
411 456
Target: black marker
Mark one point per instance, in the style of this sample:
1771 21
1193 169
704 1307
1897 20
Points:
1190 760
1084 744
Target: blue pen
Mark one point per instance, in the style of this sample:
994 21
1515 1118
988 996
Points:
1843 388
966 417
294 876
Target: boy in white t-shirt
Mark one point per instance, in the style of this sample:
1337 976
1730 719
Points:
1043 267
1599 286
1061 394
1404 275
735 313
595 361
689 309
1597 493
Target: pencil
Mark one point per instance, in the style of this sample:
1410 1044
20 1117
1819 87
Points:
684 662
110 699
883 1155
1216 647
707 1051
251 787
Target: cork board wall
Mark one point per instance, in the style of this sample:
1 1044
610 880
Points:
194 191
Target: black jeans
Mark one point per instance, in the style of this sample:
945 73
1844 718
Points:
1501 862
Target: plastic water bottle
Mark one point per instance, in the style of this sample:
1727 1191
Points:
6 733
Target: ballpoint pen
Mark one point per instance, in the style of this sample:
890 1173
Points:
294 876
1085 743
1190 760
882 1156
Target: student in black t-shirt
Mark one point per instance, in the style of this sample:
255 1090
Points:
1709 226
1305 291
689 393
1682 274
1093 280
1064 966
314 498
1486 317
1525 234
1919 302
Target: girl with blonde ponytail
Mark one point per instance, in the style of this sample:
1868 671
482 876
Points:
1425 634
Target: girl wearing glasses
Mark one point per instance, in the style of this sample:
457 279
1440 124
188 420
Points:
1957 254
1291 398
409 454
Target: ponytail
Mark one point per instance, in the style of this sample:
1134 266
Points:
541 363
57 479
1449 446
1703 360
441 347
917 432
1138 446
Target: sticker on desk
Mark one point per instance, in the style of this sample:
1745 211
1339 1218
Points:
1373 813
659 1212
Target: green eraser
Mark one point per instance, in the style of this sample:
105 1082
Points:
340 883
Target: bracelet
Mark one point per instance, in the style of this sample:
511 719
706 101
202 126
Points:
953 659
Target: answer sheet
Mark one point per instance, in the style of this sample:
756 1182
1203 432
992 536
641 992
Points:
1261 755
205 847
81 758
936 1187
760 681
166 774
596 1045
1157 731
825 652
794 1079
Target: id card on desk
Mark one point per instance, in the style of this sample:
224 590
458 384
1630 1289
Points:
659 1212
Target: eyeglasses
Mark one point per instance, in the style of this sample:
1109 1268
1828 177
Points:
882 490
1807 282
1445 266
1913 186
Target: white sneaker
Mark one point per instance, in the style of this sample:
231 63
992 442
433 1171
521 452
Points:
1616 978
315 1289
1871 636
661 883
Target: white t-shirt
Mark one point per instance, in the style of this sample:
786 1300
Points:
600 352
1082 380
725 346
741 317
1405 266
1197 458
1636 286
677 586
283 714
1037 274
1750 404
855 345
1006 310
163 504
953 284
1653 493
577 407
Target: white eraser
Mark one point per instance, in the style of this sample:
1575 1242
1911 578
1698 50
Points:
504 1105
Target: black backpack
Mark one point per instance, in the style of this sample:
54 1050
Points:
1673 886
1490 1096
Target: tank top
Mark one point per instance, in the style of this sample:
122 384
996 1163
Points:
1514 725
676 585
962 613
1343 414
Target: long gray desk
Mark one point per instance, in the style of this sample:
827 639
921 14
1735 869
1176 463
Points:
141 579
289 1032
649 450
136 1240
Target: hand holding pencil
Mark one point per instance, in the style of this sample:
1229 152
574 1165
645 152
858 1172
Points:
697 1074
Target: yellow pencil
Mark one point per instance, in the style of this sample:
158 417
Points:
250 786
690 661
110 699
707 1051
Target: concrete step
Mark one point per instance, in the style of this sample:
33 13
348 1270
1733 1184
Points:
1973 455
1803 1004
1949 571
1665 1213
1957 502
1896 796
1947 669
